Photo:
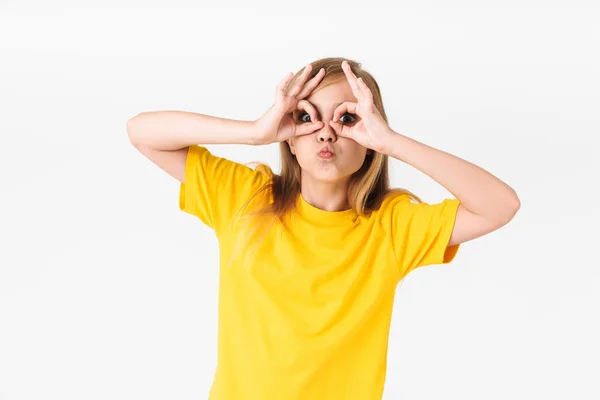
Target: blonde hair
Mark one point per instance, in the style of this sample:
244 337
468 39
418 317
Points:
368 186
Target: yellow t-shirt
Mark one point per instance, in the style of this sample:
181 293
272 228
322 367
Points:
307 316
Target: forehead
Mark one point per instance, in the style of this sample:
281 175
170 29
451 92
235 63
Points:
332 93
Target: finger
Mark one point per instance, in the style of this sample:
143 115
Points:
309 108
293 91
365 89
340 129
351 78
347 106
312 84
305 129
300 82
280 91
288 77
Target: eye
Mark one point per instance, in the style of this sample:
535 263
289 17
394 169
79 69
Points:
301 115
351 115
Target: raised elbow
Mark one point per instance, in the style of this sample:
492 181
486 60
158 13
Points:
132 131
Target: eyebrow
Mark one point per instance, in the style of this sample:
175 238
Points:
317 108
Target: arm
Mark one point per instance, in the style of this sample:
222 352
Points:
486 202
174 130
164 136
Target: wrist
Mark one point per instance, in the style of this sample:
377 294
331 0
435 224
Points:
388 142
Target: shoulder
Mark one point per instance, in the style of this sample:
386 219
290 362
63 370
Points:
396 200
204 161
402 208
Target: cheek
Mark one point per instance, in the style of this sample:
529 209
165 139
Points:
302 146
301 151
358 155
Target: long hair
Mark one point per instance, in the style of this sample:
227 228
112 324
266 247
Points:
368 186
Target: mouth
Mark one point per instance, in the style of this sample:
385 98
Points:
326 154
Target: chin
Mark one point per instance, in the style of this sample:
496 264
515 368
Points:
329 175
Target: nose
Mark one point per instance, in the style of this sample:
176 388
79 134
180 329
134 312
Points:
326 134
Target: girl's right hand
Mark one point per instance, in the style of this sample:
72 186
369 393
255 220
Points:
278 124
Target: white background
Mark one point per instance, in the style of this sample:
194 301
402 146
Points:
108 291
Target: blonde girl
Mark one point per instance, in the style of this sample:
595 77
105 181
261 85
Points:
310 258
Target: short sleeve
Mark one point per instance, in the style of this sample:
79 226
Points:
215 187
421 232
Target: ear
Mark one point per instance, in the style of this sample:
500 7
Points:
291 144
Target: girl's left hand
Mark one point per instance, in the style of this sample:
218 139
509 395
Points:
371 131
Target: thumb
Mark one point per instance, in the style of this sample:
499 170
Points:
339 129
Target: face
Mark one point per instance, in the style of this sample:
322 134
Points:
348 155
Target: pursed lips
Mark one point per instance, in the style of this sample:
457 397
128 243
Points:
325 150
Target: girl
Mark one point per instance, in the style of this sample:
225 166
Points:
310 258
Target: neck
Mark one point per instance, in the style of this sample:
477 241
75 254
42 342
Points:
328 196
